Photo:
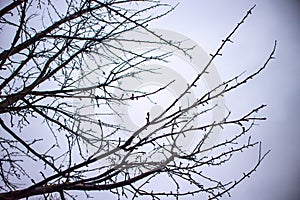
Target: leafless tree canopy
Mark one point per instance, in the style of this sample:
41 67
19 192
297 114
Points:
57 133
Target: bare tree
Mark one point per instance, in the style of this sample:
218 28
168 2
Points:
62 67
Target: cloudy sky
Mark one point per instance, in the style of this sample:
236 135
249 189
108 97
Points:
207 23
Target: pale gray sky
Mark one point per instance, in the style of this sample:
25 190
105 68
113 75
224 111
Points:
208 22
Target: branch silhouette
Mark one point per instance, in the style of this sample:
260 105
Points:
46 79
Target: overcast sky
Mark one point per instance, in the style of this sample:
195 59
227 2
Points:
207 23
